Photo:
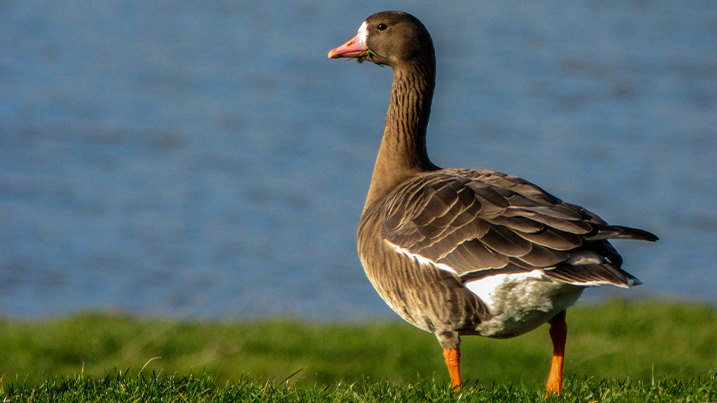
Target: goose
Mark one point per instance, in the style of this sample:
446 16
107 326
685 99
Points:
460 252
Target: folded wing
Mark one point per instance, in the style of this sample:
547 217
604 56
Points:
479 223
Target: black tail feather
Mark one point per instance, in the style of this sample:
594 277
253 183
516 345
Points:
620 232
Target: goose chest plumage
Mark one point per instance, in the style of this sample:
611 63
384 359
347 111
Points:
467 251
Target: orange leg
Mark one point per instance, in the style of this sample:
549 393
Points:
558 334
453 362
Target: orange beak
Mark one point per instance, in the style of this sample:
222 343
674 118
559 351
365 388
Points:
352 48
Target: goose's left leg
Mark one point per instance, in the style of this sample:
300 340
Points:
453 362
450 341
558 334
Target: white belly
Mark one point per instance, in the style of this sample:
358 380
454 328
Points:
521 302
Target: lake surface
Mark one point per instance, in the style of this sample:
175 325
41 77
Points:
206 159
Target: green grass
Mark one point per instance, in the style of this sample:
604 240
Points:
119 387
642 351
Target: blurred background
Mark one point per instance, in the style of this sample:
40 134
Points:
206 159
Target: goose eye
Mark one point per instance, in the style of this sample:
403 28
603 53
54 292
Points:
381 27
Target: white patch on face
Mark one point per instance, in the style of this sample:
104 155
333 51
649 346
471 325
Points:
363 33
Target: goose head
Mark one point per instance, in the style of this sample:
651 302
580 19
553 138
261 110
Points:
389 38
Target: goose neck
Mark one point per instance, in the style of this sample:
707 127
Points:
403 151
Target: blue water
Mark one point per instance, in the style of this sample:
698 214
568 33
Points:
195 158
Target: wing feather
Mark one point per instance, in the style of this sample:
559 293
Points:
482 222
473 256
505 242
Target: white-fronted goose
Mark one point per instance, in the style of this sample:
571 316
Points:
467 252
